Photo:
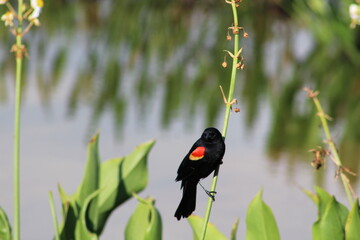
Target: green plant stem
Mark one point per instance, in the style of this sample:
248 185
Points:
18 54
334 151
226 118
54 216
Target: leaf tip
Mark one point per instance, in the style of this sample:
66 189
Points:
95 138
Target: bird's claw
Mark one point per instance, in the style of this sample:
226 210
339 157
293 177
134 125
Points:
211 194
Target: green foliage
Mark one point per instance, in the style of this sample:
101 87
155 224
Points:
145 223
90 182
260 221
330 225
212 233
81 229
104 187
234 230
5 228
260 224
54 216
334 220
352 226
69 213
311 195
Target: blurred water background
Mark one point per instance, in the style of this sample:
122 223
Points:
137 70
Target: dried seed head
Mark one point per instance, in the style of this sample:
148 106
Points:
228 37
242 66
236 110
245 35
235 30
319 157
317 163
224 64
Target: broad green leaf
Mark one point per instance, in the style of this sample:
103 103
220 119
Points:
260 221
330 225
82 230
343 212
90 181
212 233
5 228
114 181
234 229
352 227
119 179
324 198
145 223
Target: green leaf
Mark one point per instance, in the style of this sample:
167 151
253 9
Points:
5 228
90 181
145 223
54 216
324 198
81 230
352 227
330 225
212 232
311 195
114 181
234 229
70 215
260 221
119 179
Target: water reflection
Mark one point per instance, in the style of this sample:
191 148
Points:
117 52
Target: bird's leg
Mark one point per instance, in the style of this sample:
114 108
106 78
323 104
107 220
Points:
209 193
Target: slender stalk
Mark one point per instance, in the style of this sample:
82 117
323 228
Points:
54 216
330 142
226 117
18 55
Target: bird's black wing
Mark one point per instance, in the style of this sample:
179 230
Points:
187 167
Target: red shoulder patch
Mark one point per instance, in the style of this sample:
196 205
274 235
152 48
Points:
197 154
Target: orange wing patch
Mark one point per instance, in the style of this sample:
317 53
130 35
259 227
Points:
197 154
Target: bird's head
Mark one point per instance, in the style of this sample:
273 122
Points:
211 135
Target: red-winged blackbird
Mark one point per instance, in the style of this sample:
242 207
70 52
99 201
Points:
204 156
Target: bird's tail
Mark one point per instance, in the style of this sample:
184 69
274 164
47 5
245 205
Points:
188 201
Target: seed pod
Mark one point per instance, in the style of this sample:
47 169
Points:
228 37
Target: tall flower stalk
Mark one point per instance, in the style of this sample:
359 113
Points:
333 155
237 63
14 20
18 48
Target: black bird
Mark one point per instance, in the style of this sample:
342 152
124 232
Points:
204 156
